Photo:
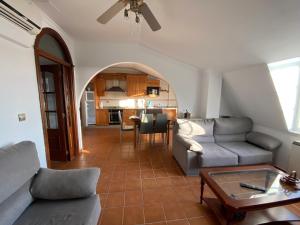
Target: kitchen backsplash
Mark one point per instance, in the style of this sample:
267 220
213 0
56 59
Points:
120 99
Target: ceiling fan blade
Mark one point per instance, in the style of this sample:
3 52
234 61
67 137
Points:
149 17
112 11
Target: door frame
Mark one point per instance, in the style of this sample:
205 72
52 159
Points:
70 75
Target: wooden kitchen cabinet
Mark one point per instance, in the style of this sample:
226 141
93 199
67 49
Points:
100 86
136 85
126 114
102 117
153 83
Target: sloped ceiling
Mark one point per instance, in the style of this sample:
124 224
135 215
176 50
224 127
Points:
217 34
250 92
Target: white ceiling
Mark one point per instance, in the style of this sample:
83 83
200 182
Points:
217 34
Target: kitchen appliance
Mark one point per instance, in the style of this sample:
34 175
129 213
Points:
90 110
153 91
114 86
114 116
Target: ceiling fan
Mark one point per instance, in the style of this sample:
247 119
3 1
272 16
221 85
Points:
138 7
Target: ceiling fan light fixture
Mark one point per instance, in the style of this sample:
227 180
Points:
139 7
126 13
137 18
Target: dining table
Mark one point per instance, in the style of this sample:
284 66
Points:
137 120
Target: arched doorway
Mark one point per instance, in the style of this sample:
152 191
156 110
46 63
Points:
55 77
98 104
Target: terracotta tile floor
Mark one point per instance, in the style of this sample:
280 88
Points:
143 185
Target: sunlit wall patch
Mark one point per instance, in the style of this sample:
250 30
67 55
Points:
286 78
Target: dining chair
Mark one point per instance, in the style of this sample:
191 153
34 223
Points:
161 126
140 112
123 126
146 126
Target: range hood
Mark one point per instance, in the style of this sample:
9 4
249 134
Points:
114 86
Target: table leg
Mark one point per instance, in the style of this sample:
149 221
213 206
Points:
135 135
229 217
202 190
168 134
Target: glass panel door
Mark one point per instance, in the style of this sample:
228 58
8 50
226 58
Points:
50 100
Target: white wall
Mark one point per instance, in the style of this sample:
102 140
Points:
250 92
183 79
18 84
210 99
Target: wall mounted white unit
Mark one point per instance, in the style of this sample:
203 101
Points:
295 157
16 17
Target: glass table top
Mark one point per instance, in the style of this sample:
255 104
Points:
264 178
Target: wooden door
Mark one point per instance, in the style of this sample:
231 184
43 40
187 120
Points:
53 93
70 123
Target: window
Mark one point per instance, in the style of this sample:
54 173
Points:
286 79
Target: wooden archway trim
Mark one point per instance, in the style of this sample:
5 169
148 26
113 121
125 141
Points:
58 38
66 62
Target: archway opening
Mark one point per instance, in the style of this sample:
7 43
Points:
131 88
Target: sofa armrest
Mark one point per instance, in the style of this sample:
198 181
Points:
189 143
263 140
52 184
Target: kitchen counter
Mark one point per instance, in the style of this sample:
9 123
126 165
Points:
115 107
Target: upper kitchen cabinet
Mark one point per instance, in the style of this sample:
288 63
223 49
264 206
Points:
153 83
136 85
100 86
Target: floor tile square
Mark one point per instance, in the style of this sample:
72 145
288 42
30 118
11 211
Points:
115 199
133 198
154 213
112 216
133 215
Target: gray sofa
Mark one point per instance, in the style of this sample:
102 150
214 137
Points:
30 195
220 142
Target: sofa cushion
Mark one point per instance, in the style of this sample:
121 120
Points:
233 125
248 153
63 212
65 184
215 155
230 137
12 208
263 140
18 164
199 127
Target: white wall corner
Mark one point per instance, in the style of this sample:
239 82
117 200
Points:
211 91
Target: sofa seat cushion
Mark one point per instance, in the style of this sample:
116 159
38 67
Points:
248 153
84 211
215 155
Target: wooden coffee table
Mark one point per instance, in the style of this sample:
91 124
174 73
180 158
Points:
238 205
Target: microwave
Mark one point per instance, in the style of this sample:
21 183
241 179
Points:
154 91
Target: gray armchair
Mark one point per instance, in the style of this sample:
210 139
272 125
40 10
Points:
33 195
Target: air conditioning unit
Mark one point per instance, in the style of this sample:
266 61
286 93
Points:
13 15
